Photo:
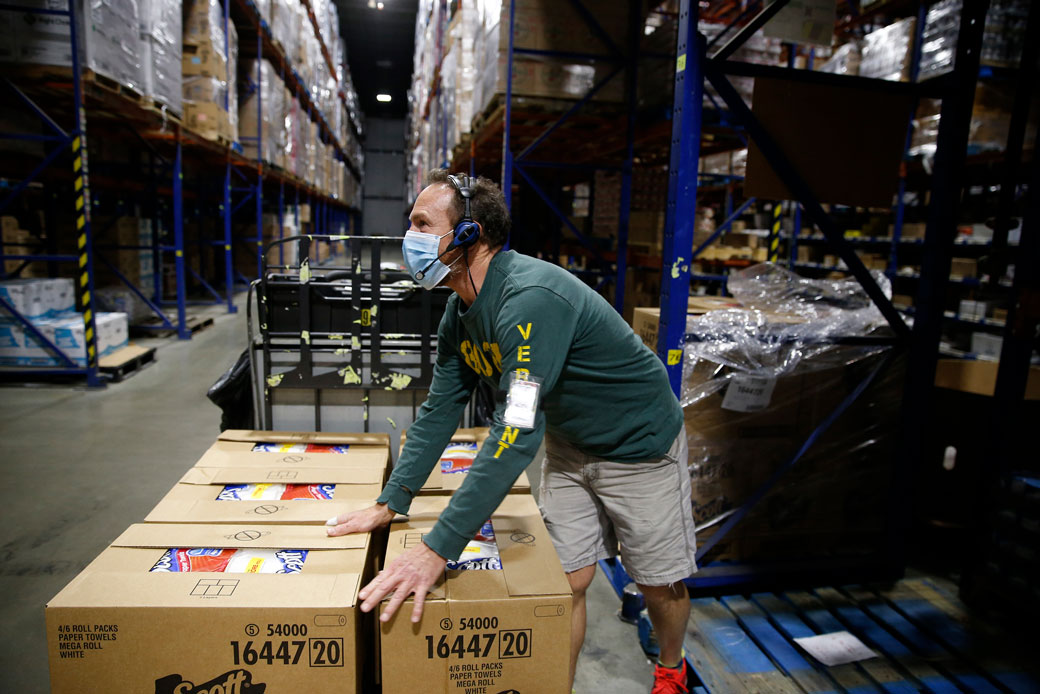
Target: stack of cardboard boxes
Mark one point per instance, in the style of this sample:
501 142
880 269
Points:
209 66
18 241
50 306
235 565
275 602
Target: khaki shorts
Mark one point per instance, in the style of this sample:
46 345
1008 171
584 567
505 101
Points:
590 505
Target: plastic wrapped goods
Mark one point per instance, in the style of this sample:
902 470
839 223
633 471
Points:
886 51
1002 38
845 60
756 383
161 52
107 31
268 100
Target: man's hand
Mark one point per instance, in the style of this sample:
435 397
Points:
415 571
363 521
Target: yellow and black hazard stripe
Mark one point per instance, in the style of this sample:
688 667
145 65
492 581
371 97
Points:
774 234
82 191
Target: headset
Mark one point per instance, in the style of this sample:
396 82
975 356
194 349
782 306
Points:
467 231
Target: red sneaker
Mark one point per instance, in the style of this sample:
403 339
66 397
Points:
671 680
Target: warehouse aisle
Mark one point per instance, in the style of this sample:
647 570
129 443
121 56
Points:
80 466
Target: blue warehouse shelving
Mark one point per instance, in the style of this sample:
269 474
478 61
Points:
583 136
171 180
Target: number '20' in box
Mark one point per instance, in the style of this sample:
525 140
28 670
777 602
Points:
171 609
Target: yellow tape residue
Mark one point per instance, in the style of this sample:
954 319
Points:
305 272
336 336
355 343
342 352
275 380
392 422
399 381
675 267
305 335
680 63
350 376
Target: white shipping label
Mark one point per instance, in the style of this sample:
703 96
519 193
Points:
748 393
521 404
836 648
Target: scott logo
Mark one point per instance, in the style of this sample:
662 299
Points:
231 682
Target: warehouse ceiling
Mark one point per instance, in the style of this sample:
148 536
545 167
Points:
380 44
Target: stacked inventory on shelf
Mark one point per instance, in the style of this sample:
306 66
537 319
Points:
50 307
461 65
256 92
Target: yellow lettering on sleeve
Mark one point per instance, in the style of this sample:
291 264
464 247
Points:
509 435
502 445
526 335
523 353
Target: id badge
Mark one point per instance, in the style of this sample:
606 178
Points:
522 401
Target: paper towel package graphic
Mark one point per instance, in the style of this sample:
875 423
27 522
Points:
480 554
266 491
232 561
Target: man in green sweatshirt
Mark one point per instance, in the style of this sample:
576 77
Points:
573 372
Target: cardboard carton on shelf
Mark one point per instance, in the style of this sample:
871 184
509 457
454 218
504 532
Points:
8 224
979 377
172 632
963 268
483 630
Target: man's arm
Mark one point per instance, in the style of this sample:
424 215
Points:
535 330
544 327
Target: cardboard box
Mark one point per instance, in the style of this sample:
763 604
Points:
443 480
963 268
234 448
979 377
8 225
483 630
645 320
212 632
198 496
210 121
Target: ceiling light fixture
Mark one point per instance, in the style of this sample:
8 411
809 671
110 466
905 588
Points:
384 98
379 5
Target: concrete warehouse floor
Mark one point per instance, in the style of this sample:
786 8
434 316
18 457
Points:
80 466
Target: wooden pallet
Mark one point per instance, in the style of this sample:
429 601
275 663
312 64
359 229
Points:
125 362
925 639
110 85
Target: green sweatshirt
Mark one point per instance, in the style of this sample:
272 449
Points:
602 389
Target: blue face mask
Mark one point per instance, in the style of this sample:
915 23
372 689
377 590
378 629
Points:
422 259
